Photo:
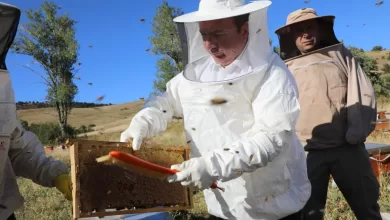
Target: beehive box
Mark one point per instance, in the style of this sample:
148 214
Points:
104 190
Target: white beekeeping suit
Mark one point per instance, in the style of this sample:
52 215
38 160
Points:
247 145
21 153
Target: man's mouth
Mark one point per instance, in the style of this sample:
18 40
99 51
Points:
308 42
218 55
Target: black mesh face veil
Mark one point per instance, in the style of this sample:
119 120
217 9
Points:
288 48
9 21
183 40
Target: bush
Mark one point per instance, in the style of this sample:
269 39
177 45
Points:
388 56
377 48
24 124
386 68
83 129
49 133
370 66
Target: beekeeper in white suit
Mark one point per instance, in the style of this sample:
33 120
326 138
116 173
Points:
21 153
246 144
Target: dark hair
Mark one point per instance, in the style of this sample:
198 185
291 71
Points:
240 20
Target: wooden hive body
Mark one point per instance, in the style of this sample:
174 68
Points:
98 188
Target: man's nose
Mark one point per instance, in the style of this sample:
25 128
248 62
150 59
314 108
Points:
210 44
305 34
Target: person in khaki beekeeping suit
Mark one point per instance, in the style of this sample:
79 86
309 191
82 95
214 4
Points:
21 153
338 108
240 105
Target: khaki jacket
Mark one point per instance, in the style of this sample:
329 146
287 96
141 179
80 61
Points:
338 105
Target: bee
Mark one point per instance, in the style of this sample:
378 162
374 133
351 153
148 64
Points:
238 171
142 19
250 158
379 3
100 98
218 101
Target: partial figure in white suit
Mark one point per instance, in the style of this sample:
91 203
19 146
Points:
21 152
246 145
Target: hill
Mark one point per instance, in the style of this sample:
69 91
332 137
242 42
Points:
381 57
34 105
105 119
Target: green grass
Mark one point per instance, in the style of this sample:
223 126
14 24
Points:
44 203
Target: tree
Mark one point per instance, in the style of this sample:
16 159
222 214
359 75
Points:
50 40
166 43
370 67
377 48
275 49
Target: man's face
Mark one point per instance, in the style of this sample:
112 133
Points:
222 39
306 35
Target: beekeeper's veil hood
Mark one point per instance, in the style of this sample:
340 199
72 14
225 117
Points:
257 49
9 21
288 49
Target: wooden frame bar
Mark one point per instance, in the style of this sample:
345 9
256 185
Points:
84 171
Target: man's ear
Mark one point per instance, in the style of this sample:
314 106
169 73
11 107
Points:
245 30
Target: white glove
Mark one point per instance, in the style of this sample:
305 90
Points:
138 130
193 173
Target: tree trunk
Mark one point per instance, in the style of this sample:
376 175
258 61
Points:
63 132
61 122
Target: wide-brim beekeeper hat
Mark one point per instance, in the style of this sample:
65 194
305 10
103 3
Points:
191 39
301 15
9 21
219 9
287 45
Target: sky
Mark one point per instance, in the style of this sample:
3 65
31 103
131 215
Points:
121 69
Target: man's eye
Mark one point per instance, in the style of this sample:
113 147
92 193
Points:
298 30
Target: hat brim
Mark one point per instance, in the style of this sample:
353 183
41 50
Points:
245 9
326 17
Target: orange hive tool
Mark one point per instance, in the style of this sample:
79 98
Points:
141 166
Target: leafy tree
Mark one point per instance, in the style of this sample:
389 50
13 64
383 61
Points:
166 43
370 67
377 48
50 40
276 49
